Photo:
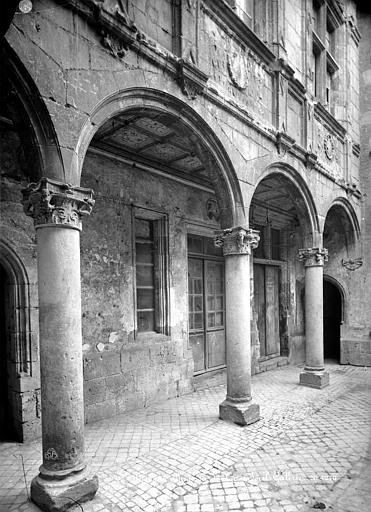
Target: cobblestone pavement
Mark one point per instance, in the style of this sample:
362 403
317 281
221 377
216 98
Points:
310 450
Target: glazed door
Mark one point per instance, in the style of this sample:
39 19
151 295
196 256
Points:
266 302
206 313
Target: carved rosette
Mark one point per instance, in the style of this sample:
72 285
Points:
51 202
313 257
237 240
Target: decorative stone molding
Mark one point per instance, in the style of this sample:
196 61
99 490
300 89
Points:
329 146
51 202
313 257
284 142
237 69
352 264
212 209
237 240
310 160
192 80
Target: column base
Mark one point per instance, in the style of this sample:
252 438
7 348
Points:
58 495
243 413
317 380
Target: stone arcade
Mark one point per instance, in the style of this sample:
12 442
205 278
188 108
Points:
183 196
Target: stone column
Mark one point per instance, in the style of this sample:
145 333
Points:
57 209
237 243
314 374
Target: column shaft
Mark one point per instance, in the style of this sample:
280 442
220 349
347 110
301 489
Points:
57 209
237 298
60 348
314 318
237 243
314 374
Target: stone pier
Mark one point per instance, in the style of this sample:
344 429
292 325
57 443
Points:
314 374
57 210
237 244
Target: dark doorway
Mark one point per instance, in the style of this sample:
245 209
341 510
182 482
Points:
332 317
6 419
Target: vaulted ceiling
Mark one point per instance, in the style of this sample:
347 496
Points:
273 201
157 140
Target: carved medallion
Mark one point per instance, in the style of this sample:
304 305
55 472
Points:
329 146
352 264
237 68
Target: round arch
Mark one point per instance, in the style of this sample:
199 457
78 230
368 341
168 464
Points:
333 317
300 195
19 296
15 347
26 107
348 217
342 292
211 151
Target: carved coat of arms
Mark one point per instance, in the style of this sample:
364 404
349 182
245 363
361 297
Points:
238 70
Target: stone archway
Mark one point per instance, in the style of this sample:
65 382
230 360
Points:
164 182
341 235
121 109
283 210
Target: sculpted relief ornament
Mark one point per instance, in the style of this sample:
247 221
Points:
313 257
51 202
237 68
237 240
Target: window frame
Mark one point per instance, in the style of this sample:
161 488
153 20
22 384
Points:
160 227
324 37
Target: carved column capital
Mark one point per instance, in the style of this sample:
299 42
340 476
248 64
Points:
51 202
237 240
313 257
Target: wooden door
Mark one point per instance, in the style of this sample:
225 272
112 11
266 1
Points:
266 303
206 313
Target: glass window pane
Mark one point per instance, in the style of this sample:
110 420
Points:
210 303
213 249
219 286
143 229
191 321
146 321
219 302
211 320
195 244
198 306
211 286
219 319
144 253
197 286
145 298
198 320
144 275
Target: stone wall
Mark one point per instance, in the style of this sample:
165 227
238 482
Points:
19 259
124 370
360 350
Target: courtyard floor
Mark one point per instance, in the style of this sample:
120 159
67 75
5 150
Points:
310 450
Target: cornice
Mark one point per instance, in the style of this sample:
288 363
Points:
331 123
222 13
335 13
355 33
